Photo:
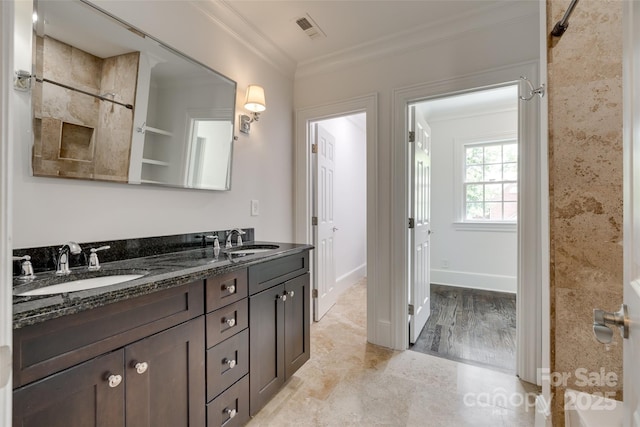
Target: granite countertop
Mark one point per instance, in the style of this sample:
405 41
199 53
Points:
161 272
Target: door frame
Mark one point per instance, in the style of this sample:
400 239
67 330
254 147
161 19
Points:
6 172
533 223
303 190
630 107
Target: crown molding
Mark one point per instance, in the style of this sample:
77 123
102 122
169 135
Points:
226 18
416 38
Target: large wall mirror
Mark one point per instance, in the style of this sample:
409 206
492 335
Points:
113 104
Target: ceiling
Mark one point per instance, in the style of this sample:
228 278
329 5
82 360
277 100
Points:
356 25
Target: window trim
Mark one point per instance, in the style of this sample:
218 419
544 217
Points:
459 221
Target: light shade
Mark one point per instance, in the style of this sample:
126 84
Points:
255 99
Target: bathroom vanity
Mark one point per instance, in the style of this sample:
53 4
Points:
198 340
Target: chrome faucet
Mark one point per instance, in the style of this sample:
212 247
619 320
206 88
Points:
63 257
26 269
94 263
230 234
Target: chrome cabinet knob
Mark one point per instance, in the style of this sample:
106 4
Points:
141 367
231 322
291 294
282 297
231 412
114 380
230 362
231 289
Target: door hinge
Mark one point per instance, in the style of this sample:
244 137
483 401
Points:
412 223
412 136
314 293
314 220
314 148
411 310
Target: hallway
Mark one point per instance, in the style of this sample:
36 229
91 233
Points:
349 382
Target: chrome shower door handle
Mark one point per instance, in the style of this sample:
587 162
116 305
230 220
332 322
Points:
602 320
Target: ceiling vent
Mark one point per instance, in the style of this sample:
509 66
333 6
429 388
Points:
310 28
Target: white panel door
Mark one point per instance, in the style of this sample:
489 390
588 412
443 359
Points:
420 280
631 82
324 232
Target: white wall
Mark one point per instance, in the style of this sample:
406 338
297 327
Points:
483 259
6 130
350 199
49 211
510 42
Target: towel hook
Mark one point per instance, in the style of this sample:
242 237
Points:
532 91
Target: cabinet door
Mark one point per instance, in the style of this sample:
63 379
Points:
82 396
166 378
266 346
297 327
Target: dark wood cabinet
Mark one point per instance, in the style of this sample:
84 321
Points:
165 378
139 362
266 346
157 381
297 324
88 395
211 352
279 344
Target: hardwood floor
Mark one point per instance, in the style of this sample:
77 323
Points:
471 326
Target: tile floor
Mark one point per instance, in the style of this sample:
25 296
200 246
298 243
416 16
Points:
349 382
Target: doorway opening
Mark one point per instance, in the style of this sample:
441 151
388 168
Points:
338 177
463 178
377 331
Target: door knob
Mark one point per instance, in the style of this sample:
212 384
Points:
603 319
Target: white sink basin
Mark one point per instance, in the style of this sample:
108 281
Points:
249 251
81 285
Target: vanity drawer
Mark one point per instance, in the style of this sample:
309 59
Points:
57 344
266 275
236 398
225 289
227 362
227 321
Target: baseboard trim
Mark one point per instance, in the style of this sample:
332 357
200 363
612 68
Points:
352 277
488 282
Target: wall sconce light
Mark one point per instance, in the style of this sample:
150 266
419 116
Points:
255 103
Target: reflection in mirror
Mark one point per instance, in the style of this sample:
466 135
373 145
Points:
111 103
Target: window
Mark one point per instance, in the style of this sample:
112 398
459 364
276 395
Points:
490 182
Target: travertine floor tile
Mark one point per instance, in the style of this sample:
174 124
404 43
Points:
349 382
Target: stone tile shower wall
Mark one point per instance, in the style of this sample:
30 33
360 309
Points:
585 160
76 135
